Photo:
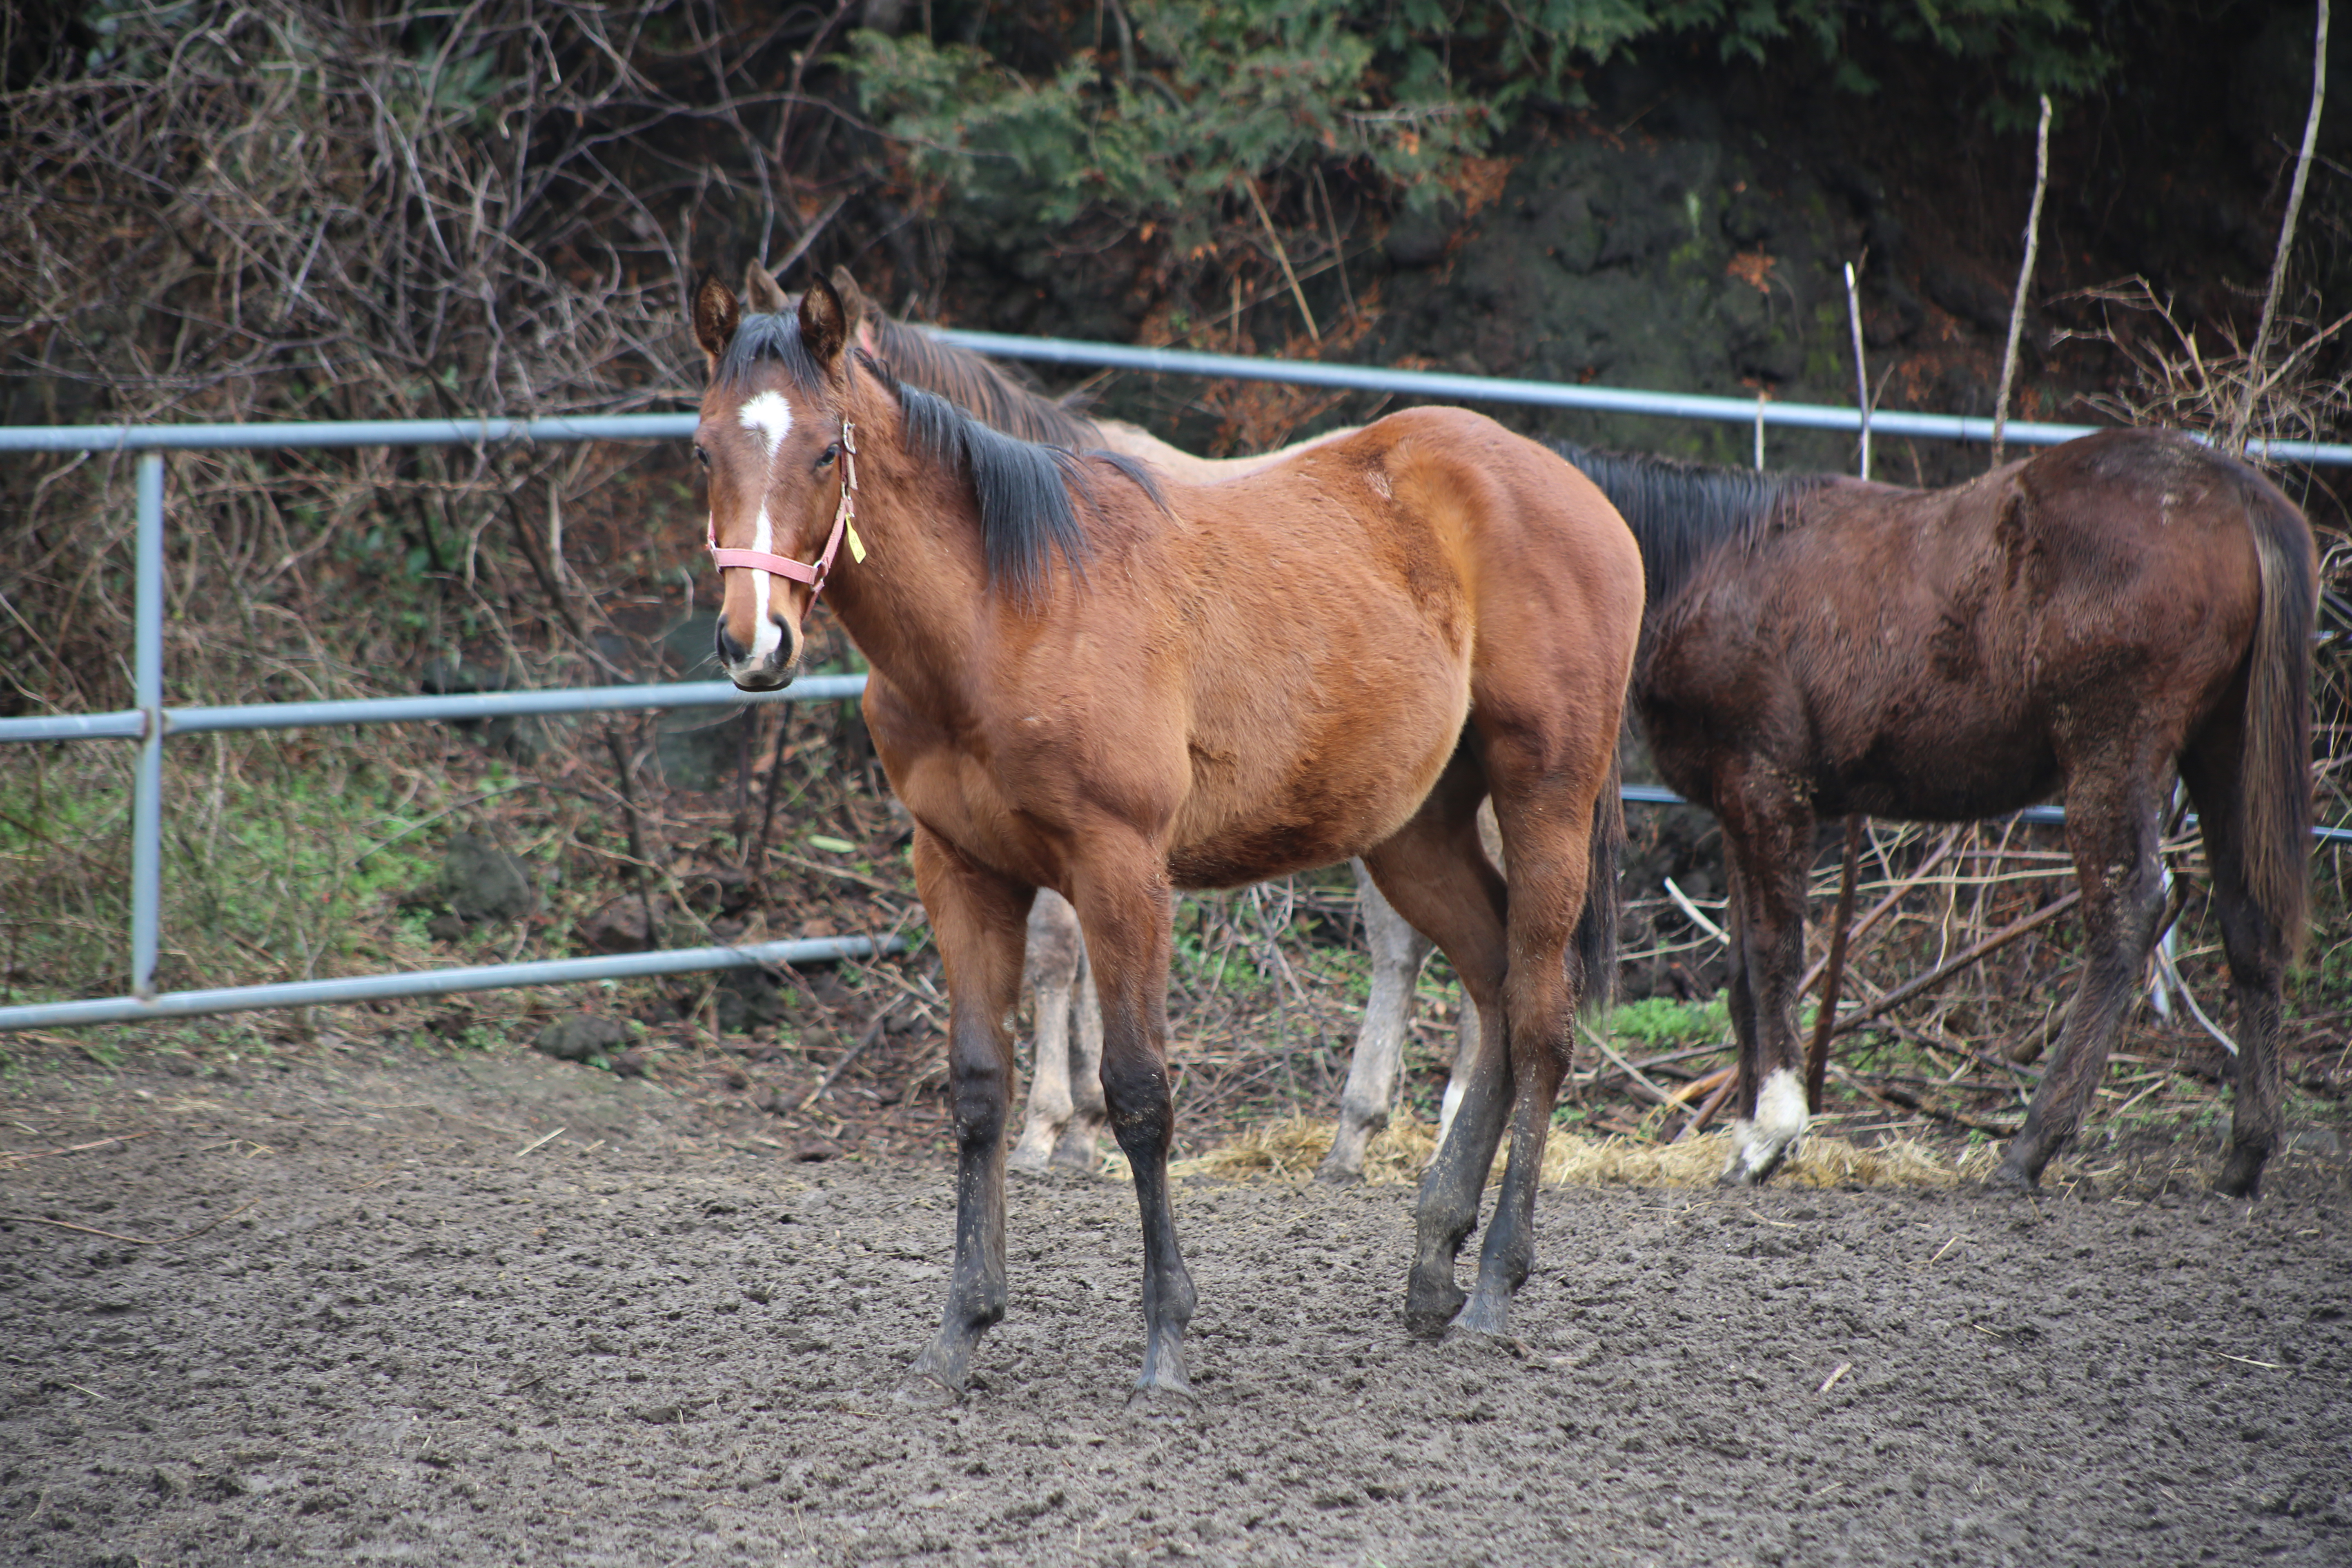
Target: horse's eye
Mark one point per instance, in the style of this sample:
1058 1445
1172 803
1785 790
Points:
701 455
830 455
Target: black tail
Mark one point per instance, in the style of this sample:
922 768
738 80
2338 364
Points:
2275 792
1595 947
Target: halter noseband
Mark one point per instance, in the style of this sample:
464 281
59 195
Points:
844 525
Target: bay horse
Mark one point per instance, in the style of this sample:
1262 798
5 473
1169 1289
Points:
2090 621
1065 1109
1089 679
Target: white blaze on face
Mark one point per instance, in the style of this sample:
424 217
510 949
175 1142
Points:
763 540
770 417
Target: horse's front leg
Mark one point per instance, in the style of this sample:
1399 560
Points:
979 919
1123 901
1768 839
1398 954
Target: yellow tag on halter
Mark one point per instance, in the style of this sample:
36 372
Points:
857 545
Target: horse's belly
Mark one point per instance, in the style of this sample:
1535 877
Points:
1948 789
1317 803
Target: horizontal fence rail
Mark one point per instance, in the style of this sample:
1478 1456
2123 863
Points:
1446 388
442 981
151 723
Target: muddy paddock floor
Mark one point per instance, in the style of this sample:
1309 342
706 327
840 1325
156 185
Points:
497 1309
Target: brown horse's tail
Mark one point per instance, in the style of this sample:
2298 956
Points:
1596 927
2274 782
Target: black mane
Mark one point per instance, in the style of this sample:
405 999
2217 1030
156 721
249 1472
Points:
1681 512
1023 488
1022 482
768 340
978 384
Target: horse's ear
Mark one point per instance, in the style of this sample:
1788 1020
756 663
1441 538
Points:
716 316
856 308
760 291
824 324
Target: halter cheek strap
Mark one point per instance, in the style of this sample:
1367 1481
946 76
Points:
815 573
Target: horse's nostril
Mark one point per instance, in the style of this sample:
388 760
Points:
730 651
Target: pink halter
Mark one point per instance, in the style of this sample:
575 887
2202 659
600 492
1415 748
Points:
814 574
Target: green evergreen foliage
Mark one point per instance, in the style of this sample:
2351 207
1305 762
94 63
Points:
1153 111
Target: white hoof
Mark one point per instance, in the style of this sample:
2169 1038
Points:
1758 1146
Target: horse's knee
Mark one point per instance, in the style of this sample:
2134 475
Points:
1133 1090
981 1100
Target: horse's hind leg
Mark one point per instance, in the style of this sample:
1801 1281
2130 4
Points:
1398 954
1545 813
1436 874
980 920
2257 951
2112 828
1087 1111
1054 949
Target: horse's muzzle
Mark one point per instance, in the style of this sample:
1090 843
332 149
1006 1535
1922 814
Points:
755 671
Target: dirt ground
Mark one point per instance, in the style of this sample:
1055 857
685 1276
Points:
495 1310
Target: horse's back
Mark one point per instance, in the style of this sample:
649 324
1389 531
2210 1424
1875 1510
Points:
1348 606
1942 654
1552 575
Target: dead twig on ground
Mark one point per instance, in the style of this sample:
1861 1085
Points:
873 1028
117 1235
7 1161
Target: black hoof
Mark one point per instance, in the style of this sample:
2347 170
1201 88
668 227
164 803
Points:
2242 1174
2013 1179
1485 1318
1430 1309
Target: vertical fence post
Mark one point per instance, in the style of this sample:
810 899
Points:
147 680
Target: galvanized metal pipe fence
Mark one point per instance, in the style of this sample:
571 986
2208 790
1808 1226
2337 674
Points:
149 723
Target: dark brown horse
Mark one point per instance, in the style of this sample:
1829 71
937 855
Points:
2089 621
1092 680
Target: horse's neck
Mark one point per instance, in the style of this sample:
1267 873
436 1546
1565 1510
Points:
913 604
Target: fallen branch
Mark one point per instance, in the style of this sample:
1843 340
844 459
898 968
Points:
2255 383
117 1235
1657 1096
12 1160
833 1075
2024 280
1984 949
1879 909
1714 1103
1897 1100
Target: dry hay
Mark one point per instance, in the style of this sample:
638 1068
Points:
1291 1148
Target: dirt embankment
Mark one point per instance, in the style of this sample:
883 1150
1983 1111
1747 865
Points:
494 1310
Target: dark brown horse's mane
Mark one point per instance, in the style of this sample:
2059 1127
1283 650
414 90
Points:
1681 512
977 384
